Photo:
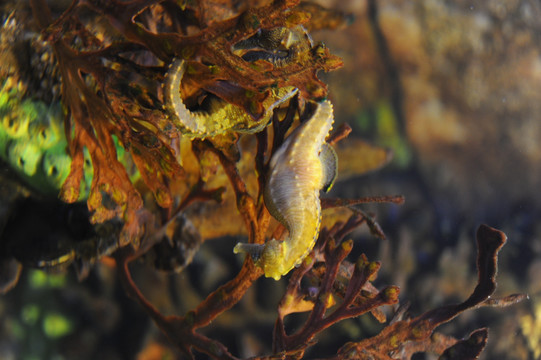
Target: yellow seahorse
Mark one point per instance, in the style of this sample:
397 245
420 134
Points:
222 117
302 166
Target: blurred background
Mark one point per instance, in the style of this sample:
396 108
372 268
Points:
453 87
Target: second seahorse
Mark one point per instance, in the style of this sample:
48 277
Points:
302 166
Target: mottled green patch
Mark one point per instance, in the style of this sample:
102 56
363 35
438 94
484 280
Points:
56 325
40 279
30 314
380 123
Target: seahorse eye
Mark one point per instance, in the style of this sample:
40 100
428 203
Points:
53 171
12 124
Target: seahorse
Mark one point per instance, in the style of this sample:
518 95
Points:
302 166
222 117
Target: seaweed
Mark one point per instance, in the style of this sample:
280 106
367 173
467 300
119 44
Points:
102 97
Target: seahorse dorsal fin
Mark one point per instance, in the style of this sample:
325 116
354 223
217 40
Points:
329 161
